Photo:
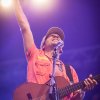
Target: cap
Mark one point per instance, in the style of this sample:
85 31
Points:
55 30
52 30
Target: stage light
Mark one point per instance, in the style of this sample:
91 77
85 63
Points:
6 3
43 5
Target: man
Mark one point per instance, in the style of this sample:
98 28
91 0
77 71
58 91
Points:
40 61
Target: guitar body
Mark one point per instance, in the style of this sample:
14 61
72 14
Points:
33 91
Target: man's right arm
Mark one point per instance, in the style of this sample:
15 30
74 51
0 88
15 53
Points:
24 26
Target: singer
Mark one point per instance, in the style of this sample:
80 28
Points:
40 60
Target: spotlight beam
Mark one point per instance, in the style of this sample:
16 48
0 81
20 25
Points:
6 3
43 5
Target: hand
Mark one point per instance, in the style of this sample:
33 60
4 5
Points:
78 95
89 83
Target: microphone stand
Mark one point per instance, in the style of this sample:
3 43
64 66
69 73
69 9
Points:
53 94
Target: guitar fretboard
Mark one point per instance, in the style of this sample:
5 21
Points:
76 86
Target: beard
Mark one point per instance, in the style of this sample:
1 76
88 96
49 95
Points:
54 43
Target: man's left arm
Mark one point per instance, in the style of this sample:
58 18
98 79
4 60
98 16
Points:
89 84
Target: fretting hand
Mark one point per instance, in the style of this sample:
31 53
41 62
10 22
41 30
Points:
89 83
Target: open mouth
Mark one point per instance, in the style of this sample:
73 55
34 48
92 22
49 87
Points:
55 40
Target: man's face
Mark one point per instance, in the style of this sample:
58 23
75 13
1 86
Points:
52 40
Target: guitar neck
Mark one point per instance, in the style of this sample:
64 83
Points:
76 86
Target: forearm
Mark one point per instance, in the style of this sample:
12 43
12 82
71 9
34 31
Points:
22 20
27 35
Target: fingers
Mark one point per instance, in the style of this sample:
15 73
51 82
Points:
90 83
94 81
78 95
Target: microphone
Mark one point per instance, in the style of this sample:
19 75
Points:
59 46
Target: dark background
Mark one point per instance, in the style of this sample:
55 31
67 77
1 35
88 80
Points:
80 20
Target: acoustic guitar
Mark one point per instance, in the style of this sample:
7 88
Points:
34 91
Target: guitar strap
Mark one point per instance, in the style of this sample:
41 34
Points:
68 72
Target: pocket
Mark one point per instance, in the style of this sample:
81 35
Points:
42 68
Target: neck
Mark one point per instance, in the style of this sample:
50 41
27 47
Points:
48 53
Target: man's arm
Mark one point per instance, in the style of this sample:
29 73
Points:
24 26
89 84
